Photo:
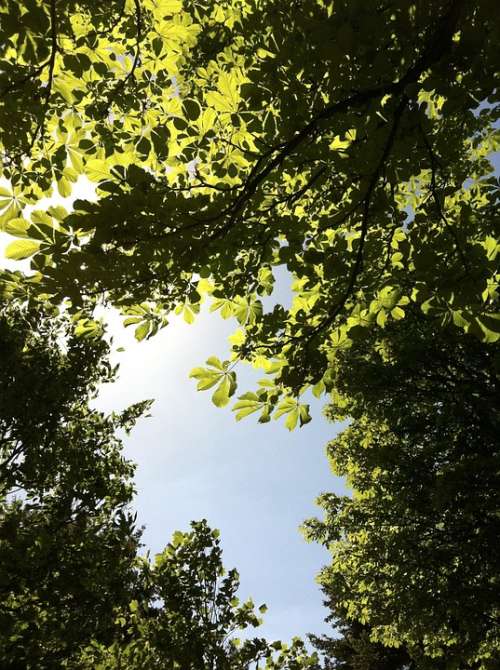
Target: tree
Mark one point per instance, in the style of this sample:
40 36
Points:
294 134
187 617
67 539
414 554
352 649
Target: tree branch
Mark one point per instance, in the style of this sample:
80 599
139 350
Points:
122 83
435 196
51 65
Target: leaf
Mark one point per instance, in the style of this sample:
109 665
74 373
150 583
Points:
189 311
17 227
76 158
397 313
208 380
237 338
21 249
142 331
227 96
64 187
208 377
339 338
132 320
11 212
64 88
224 391
490 325
88 328
381 318
286 405
292 418
58 212
247 404
304 415
388 297
215 362
97 170
318 389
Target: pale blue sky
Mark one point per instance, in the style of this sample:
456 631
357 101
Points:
256 483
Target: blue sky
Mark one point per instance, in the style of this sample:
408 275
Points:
256 483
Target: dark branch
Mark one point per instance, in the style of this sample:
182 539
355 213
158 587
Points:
39 130
437 202
365 203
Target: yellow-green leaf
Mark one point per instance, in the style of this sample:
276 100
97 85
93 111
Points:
17 227
142 331
21 249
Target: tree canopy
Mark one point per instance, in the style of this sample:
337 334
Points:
414 558
67 538
344 145
346 142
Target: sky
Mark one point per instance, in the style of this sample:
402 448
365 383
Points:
256 483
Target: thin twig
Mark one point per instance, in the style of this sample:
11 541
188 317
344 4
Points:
122 83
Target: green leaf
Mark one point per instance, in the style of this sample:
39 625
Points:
223 392
304 415
142 331
381 318
21 249
17 227
318 389
208 380
247 404
11 212
490 325
397 313
215 363
64 187
132 320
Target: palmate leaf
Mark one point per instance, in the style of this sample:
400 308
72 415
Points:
225 390
189 310
10 212
142 331
206 378
227 97
295 412
17 227
217 374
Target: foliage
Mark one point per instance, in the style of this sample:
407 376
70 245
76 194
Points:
348 142
67 541
188 615
352 649
414 554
